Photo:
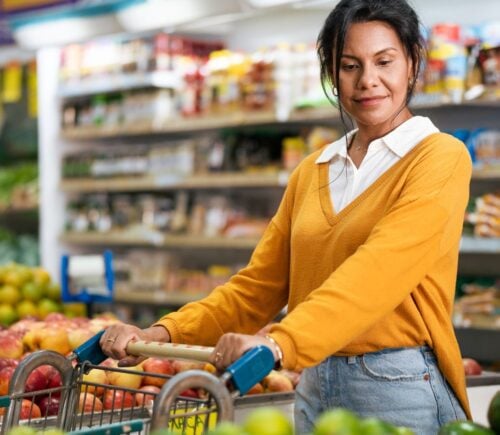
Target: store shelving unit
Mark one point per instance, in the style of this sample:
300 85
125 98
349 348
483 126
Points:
478 256
173 181
156 239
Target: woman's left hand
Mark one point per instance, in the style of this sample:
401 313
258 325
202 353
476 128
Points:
231 346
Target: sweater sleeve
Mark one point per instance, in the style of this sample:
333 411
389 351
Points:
401 249
249 300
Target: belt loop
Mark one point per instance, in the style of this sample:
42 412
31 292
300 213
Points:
351 359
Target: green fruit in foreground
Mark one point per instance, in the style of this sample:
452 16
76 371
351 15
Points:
400 430
267 421
21 430
53 431
227 428
374 426
494 412
337 422
464 428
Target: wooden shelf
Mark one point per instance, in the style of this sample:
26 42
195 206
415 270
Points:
172 181
156 239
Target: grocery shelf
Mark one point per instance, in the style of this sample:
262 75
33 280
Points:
468 244
116 83
18 211
159 297
236 119
478 343
480 245
486 174
156 239
162 182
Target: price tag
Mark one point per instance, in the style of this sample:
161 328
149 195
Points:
283 178
155 238
168 180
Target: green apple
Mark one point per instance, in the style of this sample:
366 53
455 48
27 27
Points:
267 421
227 428
375 426
337 422
21 430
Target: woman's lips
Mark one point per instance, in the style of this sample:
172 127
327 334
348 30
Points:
372 101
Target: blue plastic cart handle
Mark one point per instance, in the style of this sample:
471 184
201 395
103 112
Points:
112 429
251 368
91 351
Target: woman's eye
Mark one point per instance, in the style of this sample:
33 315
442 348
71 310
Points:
385 62
349 66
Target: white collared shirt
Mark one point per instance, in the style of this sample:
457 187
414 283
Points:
347 181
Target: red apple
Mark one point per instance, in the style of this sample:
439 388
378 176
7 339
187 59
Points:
55 318
471 367
49 405
8 362
52 375
11 345
36 381
89 403
143 399
190 392
29 410
5 375
157 365
117 399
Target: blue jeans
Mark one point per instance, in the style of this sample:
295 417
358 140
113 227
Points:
402 386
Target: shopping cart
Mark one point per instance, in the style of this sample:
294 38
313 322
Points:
86 403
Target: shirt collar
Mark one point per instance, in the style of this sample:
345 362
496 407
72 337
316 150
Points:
399 141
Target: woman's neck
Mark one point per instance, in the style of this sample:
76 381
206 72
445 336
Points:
368 133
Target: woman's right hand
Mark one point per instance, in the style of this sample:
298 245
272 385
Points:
115 339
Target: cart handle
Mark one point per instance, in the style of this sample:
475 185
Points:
91 350
112 429
169 350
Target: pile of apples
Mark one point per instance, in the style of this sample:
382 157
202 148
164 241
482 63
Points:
57 333
62 335
142 383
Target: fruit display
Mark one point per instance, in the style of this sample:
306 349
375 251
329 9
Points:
27 292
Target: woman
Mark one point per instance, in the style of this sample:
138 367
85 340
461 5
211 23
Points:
363 247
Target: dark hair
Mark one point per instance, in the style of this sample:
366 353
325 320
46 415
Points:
397 13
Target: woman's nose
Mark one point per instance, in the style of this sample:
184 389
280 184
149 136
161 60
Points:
368 77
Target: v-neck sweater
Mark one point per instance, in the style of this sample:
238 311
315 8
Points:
379 274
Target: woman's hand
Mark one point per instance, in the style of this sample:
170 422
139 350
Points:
231 346
115 339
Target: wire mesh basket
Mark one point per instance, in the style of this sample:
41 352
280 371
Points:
93 396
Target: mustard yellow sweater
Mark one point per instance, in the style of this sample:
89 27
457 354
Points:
379 274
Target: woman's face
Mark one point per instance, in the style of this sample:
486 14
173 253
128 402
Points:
374 74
